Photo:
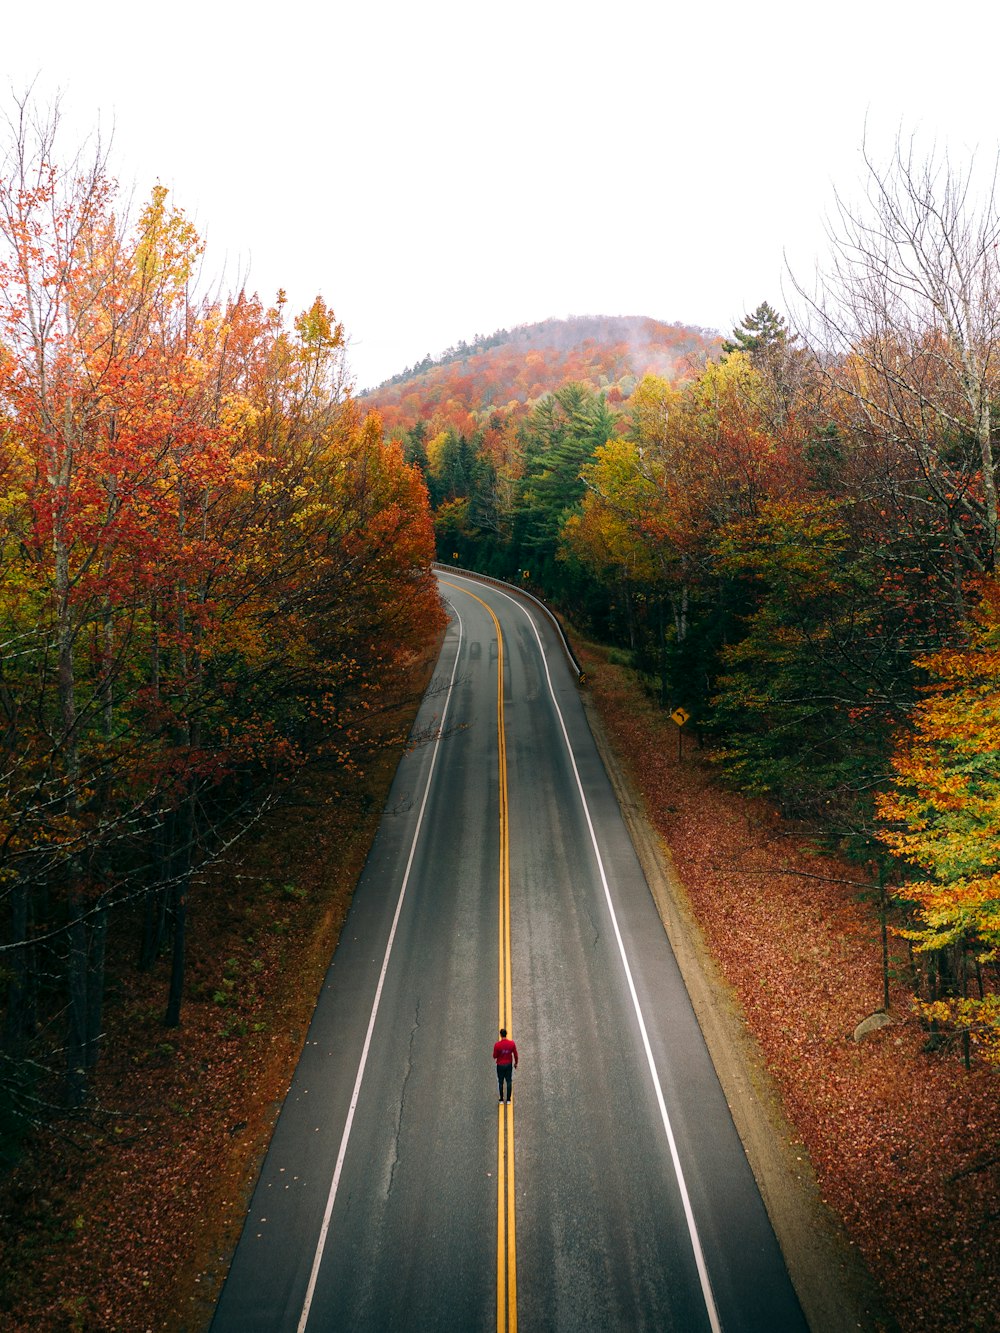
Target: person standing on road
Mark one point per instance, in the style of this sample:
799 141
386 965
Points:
505 1055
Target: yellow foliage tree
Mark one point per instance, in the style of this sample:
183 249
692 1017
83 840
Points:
942 818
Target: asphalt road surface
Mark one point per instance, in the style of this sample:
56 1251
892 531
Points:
503 890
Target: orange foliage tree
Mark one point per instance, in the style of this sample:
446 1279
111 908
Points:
212 569
942 818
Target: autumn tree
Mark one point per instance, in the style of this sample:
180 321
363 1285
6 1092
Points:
213 571
720 457
941 817
702 456
613 532
77 324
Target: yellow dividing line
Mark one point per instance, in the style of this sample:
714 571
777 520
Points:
506 1254
504 983
506 1244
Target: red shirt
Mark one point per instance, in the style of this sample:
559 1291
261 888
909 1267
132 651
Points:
504 1051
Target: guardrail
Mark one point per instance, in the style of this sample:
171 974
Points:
581 675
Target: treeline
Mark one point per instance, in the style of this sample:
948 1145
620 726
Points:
213 571
459 352
797 545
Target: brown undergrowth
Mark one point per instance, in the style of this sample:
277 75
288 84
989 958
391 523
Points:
124 1219
905 1143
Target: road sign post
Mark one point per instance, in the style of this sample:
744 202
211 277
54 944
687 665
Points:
680 716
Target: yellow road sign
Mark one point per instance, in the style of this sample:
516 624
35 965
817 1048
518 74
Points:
680 716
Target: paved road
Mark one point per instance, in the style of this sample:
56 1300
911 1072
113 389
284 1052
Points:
502 888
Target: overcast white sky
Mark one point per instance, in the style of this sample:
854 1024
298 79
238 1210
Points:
446 168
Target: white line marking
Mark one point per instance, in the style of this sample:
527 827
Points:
328 1214
699 1255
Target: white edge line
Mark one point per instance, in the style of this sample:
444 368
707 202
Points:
328 1213
699 1255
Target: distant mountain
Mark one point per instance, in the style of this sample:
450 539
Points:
515 367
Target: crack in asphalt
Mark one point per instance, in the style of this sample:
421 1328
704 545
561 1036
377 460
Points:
595 924
402 1104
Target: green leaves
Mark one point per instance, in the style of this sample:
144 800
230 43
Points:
793 706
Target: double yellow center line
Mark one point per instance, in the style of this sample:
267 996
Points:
506 1246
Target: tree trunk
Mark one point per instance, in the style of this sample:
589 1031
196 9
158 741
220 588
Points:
76 963
661 633
95 984
180 886
629 613
153 926
19 1021
985 441
76 985
155 914
172 1017
883 917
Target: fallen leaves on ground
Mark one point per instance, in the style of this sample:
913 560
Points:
124 1219
905 1143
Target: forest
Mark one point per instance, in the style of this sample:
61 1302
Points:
217 576
792 535
214 571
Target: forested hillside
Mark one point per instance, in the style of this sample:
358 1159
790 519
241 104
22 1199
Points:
504 372
794 536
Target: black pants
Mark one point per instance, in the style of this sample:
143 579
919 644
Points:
505 1074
